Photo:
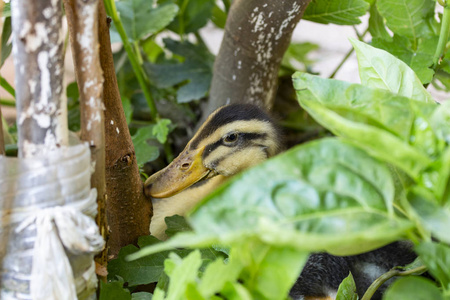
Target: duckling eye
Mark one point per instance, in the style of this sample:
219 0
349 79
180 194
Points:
230 138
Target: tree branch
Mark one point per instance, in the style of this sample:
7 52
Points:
41 111
82 19
128 211
257 34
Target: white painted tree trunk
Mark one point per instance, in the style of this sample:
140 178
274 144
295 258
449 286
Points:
38 44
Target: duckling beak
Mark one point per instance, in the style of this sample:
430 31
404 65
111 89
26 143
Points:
183 171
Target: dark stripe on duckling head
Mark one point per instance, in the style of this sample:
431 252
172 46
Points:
243 140
228 114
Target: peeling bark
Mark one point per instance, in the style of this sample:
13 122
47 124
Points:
38 45
257 34
128 211
82 19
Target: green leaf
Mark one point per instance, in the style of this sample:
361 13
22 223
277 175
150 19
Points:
341 12
270 270
219 17
113 290
152 50
296 56
419 59
161 130
435 218
310 193
217 274
324 195
196 71
143 271
149 269
144 152
408 18
417 288
141 296
181 273
377 27
6 42
375 120
176 224
6 9
437 258
193 15
140 18
381 70
347 289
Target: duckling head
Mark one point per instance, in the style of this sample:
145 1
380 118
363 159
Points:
233 138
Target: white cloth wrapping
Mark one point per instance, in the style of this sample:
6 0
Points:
59 241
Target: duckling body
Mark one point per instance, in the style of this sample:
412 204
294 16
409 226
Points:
232 139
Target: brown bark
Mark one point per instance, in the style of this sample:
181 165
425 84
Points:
257 34
128 211
82 19
41 117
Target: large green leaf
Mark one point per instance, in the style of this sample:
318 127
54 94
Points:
437 258
140 18
325 195
386 125
341 12
417 288
381 70
196 70
419 59
410 18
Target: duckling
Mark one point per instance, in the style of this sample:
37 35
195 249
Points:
232 139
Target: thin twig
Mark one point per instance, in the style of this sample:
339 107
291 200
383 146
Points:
386 276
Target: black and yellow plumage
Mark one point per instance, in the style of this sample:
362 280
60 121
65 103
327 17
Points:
232 139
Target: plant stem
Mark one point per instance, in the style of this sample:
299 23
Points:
443 36
386 276
111 7
6 102
5 84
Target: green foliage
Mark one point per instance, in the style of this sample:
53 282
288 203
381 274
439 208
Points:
192 16
149 269
413 288
347 289
6 43
345 12
144 152
196 70
410 19
382 179
141 19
